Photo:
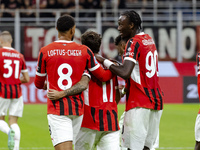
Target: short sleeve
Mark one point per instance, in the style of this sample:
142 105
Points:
92 62
41 70
86 73
24 67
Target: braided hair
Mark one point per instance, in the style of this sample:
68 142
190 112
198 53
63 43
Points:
134 18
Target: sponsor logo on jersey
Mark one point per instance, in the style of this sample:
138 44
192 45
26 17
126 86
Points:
129 53
8 54
148 42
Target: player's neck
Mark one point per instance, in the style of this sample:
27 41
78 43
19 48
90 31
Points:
6 45
64 38
135 31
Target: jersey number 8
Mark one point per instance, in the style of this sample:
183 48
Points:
63 76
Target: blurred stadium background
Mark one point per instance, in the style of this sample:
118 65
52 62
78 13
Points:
174 25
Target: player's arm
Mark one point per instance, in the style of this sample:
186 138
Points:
75 89
95 68
117 95
102 74
124 70
24 71
40 75
25 77
39 81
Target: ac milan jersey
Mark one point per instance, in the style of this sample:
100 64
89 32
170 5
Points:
144 90
64 63
198 74
100 110
12 63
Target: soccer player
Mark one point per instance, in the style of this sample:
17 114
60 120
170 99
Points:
120 45
63 62
99 128
197 123
140 70
100 124
12 65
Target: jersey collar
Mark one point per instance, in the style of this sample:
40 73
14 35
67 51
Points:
64 41
141 33
10 48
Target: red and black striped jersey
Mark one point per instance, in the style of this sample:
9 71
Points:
143 84
100 112
64 62
12 63
198 74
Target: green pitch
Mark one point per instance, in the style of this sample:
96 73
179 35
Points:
176 128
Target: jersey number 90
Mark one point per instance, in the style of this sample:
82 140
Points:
151 61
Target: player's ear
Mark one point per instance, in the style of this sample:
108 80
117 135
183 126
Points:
131 25
73 30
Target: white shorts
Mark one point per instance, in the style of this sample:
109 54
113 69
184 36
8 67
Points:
15 106
121 121
88 139
197 128
140 128
64 128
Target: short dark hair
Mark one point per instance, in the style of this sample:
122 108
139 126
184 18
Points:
133 17
65 22
92 40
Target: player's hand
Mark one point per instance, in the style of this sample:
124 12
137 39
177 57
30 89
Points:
115 62
54 95
123 91
99 58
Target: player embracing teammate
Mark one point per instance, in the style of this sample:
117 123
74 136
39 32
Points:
64 69
144 98
62 64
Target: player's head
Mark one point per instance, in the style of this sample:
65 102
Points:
129 23
120 44
66 24
92 40
5 38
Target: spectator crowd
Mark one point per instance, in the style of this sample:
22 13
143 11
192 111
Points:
50 4
70 5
